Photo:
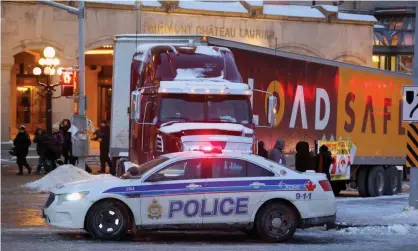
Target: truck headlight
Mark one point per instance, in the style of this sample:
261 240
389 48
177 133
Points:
71 196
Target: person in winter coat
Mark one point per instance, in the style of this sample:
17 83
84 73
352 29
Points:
41 141
21 144
324 161
104 138
67 146
54 149
303 158
262 150
276 153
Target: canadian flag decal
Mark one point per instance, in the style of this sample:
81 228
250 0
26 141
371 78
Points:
310 186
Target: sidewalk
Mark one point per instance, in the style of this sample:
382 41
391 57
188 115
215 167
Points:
7 159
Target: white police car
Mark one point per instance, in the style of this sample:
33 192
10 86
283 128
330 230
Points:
197 190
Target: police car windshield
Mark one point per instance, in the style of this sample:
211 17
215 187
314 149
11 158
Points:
149 165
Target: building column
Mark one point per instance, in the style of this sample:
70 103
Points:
92 93
6 68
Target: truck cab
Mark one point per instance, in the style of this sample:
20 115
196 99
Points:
186 97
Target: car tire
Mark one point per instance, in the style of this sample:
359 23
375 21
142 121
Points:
391 180
108 220
376 181
271 220
362 182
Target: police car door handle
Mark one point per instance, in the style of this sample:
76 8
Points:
192 186
257 184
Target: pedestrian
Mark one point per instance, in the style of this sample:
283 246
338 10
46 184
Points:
324 161
21 143
54 149
276 153
303 158
103 136
41 141
262 150
67 146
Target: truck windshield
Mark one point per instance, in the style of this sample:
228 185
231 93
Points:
205 108
188 64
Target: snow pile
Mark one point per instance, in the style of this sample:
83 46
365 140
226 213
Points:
405 186
121 2
207 50
408 213
258 3
213 6
62 175
191 73
356 17
151 3
292 11
389 230
330 8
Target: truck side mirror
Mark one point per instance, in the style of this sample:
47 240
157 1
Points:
271 113
136 105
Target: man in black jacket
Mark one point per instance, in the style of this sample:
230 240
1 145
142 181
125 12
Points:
21 144
104 138
324 161
41 140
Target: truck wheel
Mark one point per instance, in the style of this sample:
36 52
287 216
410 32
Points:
362 182
376 181
276 222
108 220
391 180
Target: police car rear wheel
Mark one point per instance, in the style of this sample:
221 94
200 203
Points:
276 223
108 220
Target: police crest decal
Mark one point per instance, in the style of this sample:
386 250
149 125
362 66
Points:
155 210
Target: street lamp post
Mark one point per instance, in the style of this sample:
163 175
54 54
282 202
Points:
49 64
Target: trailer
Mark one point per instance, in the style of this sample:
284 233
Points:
317 99
321 99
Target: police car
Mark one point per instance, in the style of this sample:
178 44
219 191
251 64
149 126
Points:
197 190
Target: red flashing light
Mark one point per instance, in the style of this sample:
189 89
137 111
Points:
210 149
326 186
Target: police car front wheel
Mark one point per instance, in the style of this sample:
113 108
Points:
108 220
276 222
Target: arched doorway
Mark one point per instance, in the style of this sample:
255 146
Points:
27 103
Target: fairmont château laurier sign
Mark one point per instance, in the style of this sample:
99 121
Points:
224 27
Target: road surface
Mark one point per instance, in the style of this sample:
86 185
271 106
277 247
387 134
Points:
24 229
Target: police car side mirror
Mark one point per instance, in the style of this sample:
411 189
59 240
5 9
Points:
156 177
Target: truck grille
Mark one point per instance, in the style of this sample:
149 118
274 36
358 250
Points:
51 199
159 145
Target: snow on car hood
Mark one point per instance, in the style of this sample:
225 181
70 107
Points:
178 127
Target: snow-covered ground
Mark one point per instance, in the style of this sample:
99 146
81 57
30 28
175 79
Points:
385 210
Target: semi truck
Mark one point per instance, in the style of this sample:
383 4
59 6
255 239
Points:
316 100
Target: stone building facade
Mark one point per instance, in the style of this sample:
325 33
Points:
28 27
